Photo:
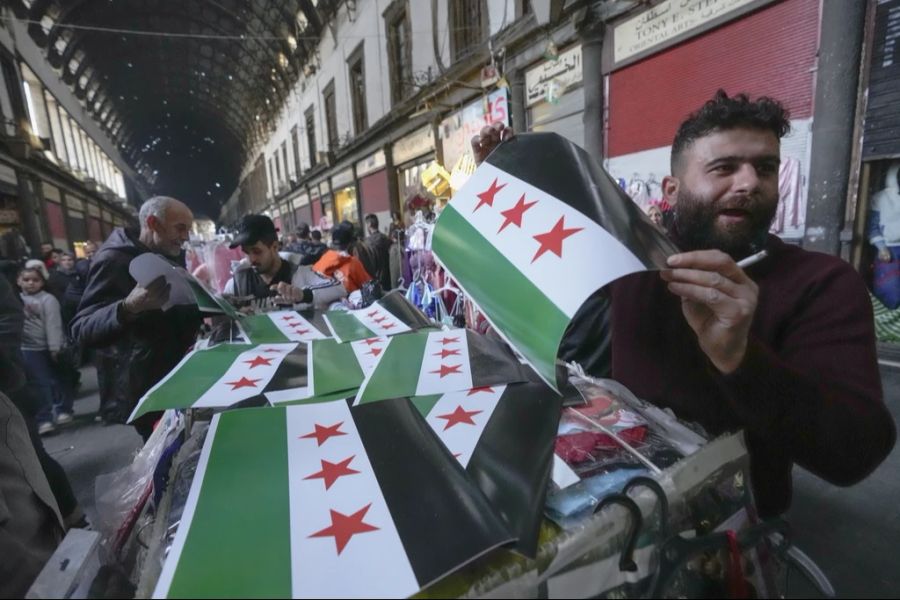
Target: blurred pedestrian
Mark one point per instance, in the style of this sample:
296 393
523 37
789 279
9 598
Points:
380 245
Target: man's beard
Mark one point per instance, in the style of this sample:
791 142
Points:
695 225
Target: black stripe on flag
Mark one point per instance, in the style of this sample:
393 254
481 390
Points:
316 318
555 165
397 304
513 459
443 519
493 363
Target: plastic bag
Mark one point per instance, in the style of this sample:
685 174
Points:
120 496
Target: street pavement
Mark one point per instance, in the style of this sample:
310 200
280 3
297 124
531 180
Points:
852 533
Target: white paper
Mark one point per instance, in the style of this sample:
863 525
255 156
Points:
146 267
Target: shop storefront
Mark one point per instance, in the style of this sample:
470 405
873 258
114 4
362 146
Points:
346 204
94 227
374 193
316 204
458 129
302 210
412 155
326 221
56 219
554 96
876 250
663 63
9 205
76 219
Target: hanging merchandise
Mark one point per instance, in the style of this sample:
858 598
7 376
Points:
436 179
388 316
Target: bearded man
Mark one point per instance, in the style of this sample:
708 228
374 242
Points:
783 349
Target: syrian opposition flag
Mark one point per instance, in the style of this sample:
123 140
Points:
388 316
278 327
437 362
503 437
335 370
344 504
537 229
226 374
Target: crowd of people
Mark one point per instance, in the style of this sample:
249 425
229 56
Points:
784 349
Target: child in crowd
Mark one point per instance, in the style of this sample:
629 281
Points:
42 339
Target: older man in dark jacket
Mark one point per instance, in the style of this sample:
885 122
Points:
115 310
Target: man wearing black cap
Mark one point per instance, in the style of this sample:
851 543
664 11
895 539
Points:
266 273
258 239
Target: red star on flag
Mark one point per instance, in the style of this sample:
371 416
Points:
273 350
299 331
242 383
379 319
514 215
371 341
343 527
375 351
552 240
289 317
457 454
372 314
332 471
387 326
323 433
259 361
445 353
448 370
486 389
487 196
460 415
446 341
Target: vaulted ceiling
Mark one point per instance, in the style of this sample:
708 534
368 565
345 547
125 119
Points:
183 87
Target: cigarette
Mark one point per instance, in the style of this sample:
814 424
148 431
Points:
752 259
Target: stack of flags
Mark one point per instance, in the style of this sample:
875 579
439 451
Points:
387 451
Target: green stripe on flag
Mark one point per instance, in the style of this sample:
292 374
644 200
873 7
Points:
398 368
239 543
518 308
425 404
347 327
190 380
341 395
261 330
335 367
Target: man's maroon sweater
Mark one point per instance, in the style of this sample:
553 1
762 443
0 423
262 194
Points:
808 390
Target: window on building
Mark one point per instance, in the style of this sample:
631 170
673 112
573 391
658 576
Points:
284 161
310 118
523 8
399 50
70 140
59 142
273 185
37 108
295 140
331 128
468 27
11 105
278 179
356 68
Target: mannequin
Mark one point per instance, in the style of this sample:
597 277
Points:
884 235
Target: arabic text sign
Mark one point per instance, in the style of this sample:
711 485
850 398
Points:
667 20
566 70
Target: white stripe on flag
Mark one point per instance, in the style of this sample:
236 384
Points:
247 376
369 352
445 364
371 562
590 258
187 515
563 475
380 320
294 326
459 419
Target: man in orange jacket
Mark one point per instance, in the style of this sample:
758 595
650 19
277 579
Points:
341 260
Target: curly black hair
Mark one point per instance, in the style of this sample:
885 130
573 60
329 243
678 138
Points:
724 113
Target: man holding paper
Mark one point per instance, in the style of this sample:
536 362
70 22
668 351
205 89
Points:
783 348
116 311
